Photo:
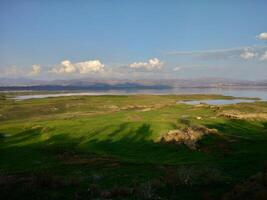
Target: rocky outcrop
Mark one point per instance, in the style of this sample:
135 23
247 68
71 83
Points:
232 114
188 136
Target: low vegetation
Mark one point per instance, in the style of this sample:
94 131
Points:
131 147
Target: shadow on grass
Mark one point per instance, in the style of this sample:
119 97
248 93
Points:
243 129
25 151
247 142
137 146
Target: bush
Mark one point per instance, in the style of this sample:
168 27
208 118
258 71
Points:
185 121
192 176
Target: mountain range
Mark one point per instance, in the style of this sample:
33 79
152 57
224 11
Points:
115 84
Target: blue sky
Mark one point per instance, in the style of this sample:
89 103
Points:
133 39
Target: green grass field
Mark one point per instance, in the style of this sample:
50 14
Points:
108 147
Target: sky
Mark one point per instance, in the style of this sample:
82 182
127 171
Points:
135 39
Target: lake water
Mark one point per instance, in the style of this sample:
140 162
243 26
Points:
251 93
41 96
218 101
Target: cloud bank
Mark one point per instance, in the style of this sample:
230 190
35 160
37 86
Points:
152 64
86 67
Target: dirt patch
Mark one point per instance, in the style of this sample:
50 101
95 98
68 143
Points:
135 118
112 107
144 108
188 136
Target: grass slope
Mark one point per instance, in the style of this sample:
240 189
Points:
59 147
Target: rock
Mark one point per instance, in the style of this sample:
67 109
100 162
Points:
239 115
188 136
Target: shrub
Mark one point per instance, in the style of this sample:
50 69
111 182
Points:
185 121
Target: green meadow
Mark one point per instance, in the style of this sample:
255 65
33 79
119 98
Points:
110 147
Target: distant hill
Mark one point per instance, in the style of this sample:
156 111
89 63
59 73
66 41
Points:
93 87
91 84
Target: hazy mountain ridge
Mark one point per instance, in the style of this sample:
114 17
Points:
93 87
109 84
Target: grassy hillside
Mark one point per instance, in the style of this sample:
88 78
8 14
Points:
109 147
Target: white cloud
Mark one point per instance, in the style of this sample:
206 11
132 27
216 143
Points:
66 67
204 52
262 36
36 69
90 66
264 56
177 69
250 52
152 64
248 55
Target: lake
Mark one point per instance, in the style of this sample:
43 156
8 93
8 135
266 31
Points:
251 93
218 101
